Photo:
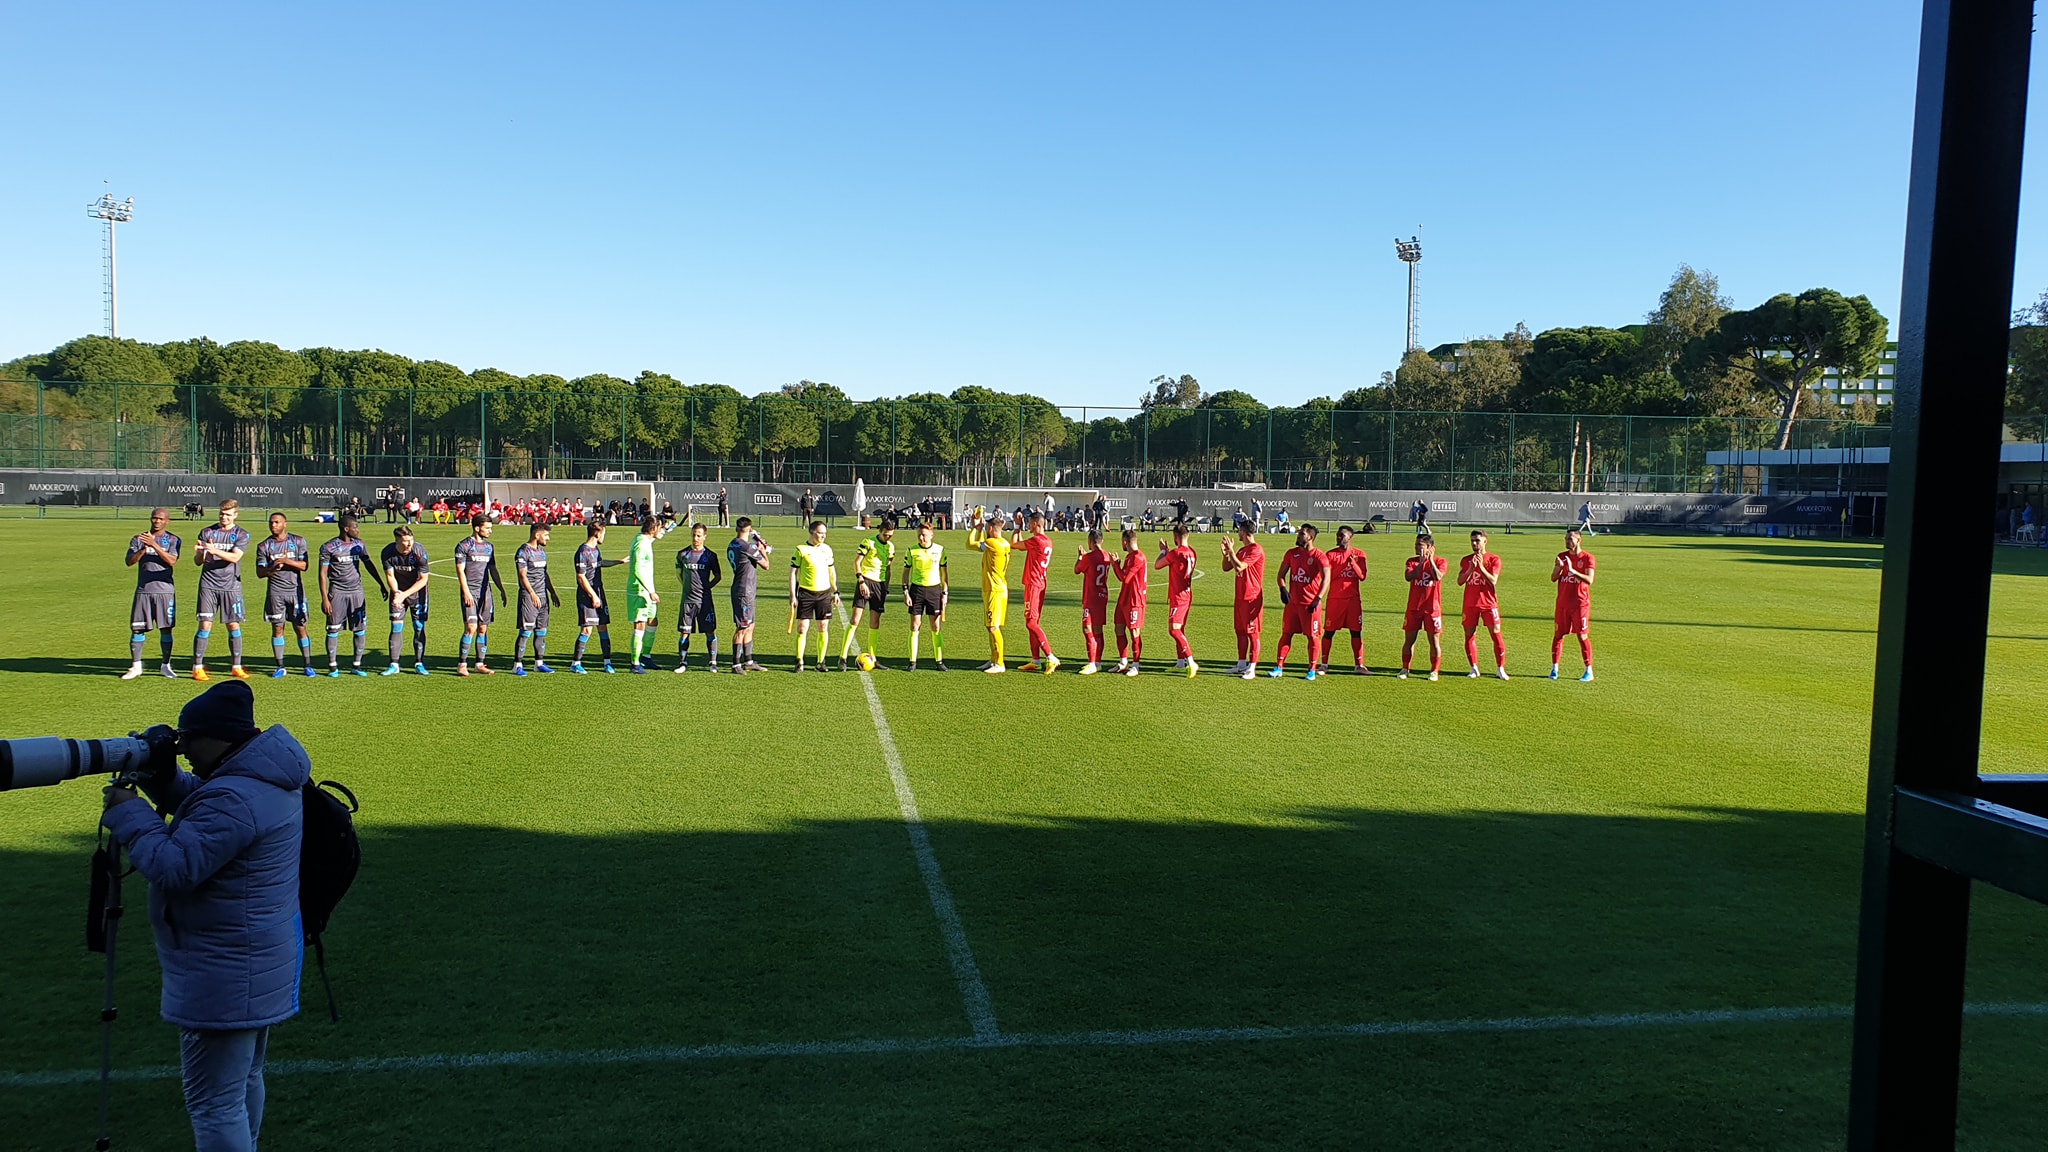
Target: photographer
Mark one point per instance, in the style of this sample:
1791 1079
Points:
223 900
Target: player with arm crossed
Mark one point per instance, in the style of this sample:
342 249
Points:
476 570
926 586
748 554
701 572
987 535
813 591
1479 572
1036 551
282 559
1347 608
1132 572
1093 565
1425 574
643 602
343 561
153 555
870 589
537 599
1304 576
1247 562
404 561
593 613
1179 562
219 552
1573 574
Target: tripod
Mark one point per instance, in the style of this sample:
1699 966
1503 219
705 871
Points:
102 928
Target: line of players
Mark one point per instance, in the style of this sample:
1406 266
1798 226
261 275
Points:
1319 593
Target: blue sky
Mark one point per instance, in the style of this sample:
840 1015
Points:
1065 199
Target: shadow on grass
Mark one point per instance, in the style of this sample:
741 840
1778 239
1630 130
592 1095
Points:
478 939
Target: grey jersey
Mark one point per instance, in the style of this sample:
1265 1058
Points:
747 562
341 558
699 570
216 573
283 581
152 574
472 562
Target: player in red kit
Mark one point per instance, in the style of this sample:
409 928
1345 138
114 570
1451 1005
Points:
1093 566
1036 551
1130 606
1248 610
1347 571
1479 572
1179 562
1425 575
1573 574
1304 576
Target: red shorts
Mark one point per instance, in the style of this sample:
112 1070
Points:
1344 616
1487 618
1419 620
1092 615
1177 612
1034 603
1249 616
1130 617
1307 622
1573 618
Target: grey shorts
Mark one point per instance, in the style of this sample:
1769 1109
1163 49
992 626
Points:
590 615
531 618
154 610
285 605
481 610
222 604
701 616
348 610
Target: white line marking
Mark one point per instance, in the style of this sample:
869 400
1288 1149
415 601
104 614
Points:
973 993
981 1013
455 1062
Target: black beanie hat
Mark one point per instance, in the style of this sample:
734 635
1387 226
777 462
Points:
226 711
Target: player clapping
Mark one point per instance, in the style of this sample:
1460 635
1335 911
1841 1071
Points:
219 554
1347 610
1036 550
1573 574
1179 562
1247 562
1130 606
1425 575
1093 565
1304 575
282 559
153 555
987 535
1479 572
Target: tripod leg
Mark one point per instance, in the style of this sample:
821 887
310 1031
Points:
111 917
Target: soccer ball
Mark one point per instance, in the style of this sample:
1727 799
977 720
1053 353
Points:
864 662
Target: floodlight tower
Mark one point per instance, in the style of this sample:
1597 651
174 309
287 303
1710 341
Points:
1408 253
113 212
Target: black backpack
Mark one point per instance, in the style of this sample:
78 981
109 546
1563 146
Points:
329 856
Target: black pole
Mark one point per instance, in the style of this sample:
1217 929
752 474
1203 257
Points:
110 921
1961 227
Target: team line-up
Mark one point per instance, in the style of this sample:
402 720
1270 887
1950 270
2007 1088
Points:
1319 593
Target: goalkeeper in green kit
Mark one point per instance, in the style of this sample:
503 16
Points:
642 600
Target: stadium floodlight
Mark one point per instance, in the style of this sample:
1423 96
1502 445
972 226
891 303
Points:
1409 252
113 212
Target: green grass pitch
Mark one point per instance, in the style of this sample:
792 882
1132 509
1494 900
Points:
671 911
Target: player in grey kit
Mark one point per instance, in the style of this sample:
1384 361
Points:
281 557
536 596
748 556
343 560
593 611
700 570
476 567
404 561
219 553
153 554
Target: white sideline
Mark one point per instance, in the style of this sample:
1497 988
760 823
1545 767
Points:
456 1062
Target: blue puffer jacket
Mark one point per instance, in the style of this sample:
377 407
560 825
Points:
224 884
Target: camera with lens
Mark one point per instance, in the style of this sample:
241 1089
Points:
37 761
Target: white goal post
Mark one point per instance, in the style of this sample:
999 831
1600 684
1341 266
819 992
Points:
593 493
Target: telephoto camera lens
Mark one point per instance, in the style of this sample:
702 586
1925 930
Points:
44 760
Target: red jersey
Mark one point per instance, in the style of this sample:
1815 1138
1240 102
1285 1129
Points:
1094 569
1131 570
1479 593
1037 553
1571 589
1347 569
1251 573
1180 573
1306 571
1426 584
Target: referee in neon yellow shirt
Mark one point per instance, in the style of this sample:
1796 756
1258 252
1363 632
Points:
814 590
987 535
870 588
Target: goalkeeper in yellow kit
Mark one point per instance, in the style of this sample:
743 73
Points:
987 535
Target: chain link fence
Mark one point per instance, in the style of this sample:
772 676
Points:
713 434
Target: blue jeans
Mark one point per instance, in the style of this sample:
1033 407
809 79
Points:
224 1087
